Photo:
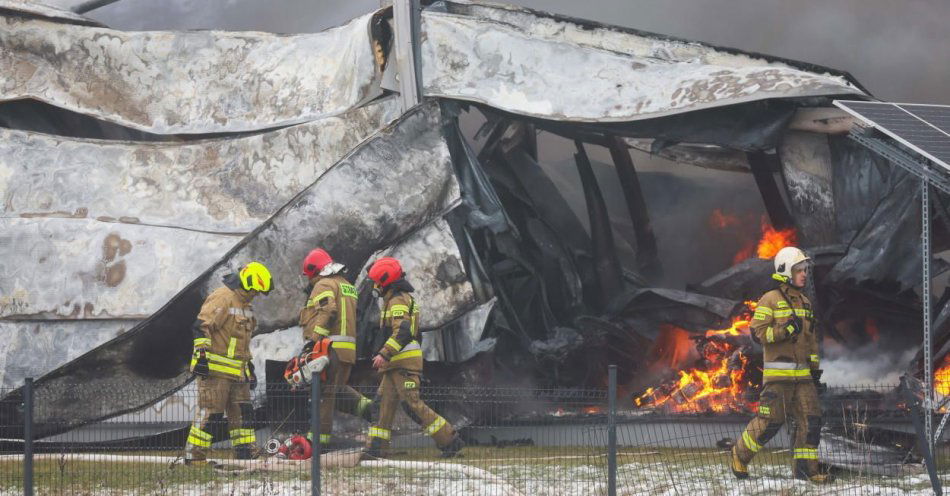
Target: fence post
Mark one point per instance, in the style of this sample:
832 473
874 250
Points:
612 430
315 435
28 437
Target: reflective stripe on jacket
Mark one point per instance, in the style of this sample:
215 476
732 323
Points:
786 358
227 323
330 312
399 318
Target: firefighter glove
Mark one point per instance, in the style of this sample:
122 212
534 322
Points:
201 364
794 328
251 376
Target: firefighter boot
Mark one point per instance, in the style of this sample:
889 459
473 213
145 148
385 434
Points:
739 468
374 450
454 448
803 472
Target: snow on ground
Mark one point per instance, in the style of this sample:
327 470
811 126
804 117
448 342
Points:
690 476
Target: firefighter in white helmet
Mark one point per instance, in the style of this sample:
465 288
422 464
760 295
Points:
784 324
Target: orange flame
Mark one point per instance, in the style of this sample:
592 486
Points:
671 348
942 377
772 241
769 243
718 386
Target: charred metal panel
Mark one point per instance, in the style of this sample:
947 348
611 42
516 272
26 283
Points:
764 166
86 269
433 265
622 39
188 82
605 260
684 309
809 171
398 180
32 348
461 339
28 8
705 156
217 185
861 178
518 65
880 257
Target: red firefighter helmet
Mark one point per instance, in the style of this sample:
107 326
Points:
385 271
315 261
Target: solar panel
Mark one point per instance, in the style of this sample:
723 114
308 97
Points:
922 128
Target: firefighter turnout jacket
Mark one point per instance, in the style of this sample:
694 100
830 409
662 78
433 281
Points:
331 313
399 318
789 356
223 331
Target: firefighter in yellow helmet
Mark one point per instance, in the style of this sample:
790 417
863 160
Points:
400 363
330 314
784 324
222 362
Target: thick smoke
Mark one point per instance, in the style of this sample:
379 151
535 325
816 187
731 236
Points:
868 365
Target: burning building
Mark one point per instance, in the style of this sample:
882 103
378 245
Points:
535 195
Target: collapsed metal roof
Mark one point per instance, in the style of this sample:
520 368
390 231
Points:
311 147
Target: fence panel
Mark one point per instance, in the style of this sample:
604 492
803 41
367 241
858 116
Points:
518 442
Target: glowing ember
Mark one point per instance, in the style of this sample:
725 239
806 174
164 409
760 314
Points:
592 410
718 383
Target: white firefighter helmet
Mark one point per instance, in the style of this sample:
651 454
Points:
785 260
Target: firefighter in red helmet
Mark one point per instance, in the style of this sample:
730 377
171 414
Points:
330 316
400 363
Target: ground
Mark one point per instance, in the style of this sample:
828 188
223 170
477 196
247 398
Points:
527 471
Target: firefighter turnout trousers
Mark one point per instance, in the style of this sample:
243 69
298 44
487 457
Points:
401 385
779 402
218 396
335 394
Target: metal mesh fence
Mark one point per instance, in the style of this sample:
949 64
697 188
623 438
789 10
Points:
518 442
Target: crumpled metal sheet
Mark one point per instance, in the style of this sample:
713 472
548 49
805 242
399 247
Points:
880 257
191 82
690 311
31 8
32 348
705 156
460 340
218 185
861 178
398 180
865 457
59 268
809 171
433 265
553 69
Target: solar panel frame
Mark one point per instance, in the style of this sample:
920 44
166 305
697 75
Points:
917 126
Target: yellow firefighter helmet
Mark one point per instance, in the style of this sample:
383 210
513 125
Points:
255 277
